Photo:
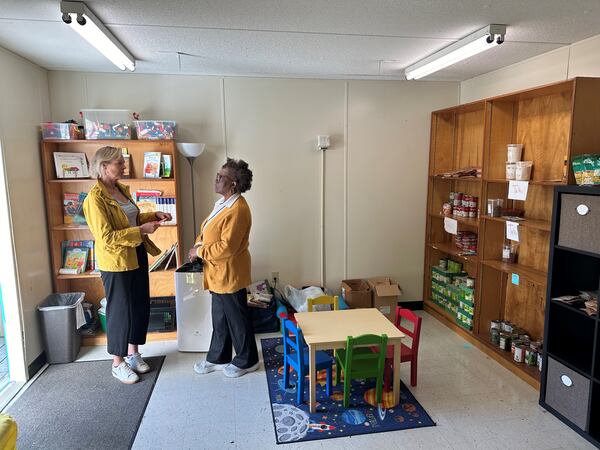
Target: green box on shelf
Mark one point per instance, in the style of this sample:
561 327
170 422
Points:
464 325
465 313
468 309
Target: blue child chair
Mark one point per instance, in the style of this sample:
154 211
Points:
295 355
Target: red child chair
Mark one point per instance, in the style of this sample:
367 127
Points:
406 353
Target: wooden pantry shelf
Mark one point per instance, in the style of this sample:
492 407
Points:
533 275
534 182
543 225
452 250
122 180
470 221
469 179
100 337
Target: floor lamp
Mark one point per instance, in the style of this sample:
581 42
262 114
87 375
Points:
191 151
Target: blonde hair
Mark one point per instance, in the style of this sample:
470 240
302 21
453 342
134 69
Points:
102 156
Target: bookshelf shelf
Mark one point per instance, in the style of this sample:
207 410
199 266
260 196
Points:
162 282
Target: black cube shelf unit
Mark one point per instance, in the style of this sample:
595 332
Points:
570 384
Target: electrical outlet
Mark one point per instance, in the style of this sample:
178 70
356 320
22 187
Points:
274 276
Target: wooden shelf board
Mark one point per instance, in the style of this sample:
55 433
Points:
100 338
470 179
64 227
101 142
452 250
543 225
528 374
154 273
534 275
123 180
470 221
536 182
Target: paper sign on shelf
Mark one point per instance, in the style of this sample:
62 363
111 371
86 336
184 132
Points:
514 279
517 190
450 225
512 231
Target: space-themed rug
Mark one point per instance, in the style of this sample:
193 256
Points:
294 423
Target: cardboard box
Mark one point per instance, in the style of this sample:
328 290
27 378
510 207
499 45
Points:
357 294
386 293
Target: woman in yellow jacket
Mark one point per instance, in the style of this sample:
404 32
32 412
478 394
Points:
122 243
223 247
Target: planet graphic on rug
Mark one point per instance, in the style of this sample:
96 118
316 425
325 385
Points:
387 398
353 417
289 390
337 396
291 423
279 349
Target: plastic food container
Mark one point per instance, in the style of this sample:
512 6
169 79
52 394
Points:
514 152
55 130
523 170
511 170
494 206
155 129
586 169
107 123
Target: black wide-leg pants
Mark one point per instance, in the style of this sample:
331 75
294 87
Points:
127 305
232 324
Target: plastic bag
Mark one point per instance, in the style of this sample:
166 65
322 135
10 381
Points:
298 297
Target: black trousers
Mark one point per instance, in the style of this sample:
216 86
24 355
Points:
232 324
127 305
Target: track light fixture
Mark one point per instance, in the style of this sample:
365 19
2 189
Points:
483 39
79 17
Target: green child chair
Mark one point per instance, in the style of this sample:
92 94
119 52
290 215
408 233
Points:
358 361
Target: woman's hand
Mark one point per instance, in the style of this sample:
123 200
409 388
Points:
149 227
193 253
163 216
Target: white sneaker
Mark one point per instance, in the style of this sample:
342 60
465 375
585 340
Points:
233 371
136 363
124 374
203 366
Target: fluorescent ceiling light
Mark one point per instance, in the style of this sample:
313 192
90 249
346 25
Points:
481 40
78 16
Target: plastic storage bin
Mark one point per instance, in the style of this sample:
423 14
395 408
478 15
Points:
107 123
56 130
162 314
155 129
58 317
523 170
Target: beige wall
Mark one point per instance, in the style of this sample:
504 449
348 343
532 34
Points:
377 162
23 105
581 59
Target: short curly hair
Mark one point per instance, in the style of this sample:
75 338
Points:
240 174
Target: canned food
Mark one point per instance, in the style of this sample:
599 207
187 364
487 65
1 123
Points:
495 336
540 359
507 327
443 264
470 282
530 357
519 353
504 342
495 325
447 209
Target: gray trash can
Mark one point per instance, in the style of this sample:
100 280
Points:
58 321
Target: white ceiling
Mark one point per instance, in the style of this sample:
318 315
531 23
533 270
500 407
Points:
369 39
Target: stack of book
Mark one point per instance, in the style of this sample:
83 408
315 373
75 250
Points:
258 295
166 260
78 257
586 301
73 208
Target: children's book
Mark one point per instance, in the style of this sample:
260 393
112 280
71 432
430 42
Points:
152 162
166 166
76 258
71 165
73 208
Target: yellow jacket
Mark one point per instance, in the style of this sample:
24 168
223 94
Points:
115 239
224 249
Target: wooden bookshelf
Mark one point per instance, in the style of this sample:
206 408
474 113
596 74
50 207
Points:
162 283
554 123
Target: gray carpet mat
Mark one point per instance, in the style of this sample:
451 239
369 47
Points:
81 406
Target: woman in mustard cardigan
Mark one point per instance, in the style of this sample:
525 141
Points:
122 243
223 247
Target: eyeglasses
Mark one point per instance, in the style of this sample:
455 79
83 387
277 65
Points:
220 177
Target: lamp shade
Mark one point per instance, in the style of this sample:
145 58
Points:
190 149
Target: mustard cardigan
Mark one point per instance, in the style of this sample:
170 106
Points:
115 239
224 249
